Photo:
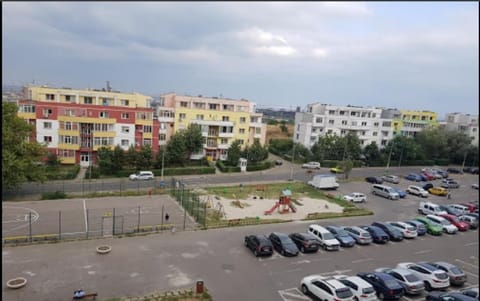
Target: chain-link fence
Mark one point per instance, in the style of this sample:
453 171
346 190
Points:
189 201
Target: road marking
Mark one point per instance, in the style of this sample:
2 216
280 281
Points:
423 251
467 263
301 261
339 272
292 292
476 276
362 260
85 214
471 244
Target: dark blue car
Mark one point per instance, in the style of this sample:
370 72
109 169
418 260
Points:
414 177
400 192
378 235
421 230
342 236
394 233
385 285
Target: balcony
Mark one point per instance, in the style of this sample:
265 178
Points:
214 122
225 135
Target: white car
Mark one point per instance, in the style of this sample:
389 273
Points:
326 288
417 190
407 230
391 178
361 289
432 277
355 197
447 226
475 186
311 165
411 283
142 175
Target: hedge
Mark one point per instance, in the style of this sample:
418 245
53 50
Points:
261 166
224 168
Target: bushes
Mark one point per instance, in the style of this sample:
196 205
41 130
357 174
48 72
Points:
224 168
54 195
261 166
62 173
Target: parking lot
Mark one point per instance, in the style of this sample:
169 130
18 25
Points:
141 265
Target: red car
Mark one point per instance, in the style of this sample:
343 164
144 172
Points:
428 175
471 207
462 226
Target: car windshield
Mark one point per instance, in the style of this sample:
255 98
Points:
368 290
344 293
328 235
445 222
441 275
411 278
456 270
342 233
391 282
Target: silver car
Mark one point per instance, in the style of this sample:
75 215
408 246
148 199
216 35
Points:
456 275
411 283
362 237
391 178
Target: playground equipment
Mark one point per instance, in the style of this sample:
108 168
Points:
219 210
284 204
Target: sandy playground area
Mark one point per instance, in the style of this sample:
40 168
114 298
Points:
255 207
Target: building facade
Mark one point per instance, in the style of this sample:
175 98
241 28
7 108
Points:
222 121
465 123
322 119
409 123
74 124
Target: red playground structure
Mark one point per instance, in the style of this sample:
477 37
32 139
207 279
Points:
284 204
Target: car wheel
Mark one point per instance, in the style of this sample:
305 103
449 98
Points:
302 249
305 289
255 253
282 252
245 243
355 298
381 296
428 287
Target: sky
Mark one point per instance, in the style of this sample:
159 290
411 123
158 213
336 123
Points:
404 55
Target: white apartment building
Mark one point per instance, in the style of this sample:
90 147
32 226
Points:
464 123
321 119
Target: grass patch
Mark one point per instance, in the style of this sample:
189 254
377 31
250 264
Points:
54 195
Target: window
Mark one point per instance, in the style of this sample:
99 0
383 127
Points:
124 102
69 112
199 105
241 131
225 118
68 125
124 142
374 115
183 104
354 123
331 121
47 112
212 106
147 141
27 109
364 123
181 116
342 132
353 113
342 112
88 100
363 133
384 133
199 117
50 96
384 142
374 133
375 124
242 120
47 125
47 139
147 128
125 116
319 120
68 97
331 112
386 123
162 137
344 122
241 141
103 115
125 129
258 131
223 141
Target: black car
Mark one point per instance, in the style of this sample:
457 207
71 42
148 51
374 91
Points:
283 244
278 162
385 285
260 245
452 296
427 186
306 242
342 236
374 180
454 170
394 234
378 235
472 170
471 292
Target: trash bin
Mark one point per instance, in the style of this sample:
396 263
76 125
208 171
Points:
199 289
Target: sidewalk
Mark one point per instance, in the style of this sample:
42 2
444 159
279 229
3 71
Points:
81 174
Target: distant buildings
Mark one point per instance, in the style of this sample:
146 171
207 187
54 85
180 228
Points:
464 123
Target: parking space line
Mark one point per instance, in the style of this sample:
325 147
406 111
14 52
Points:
85 214
423 251
362 260
471 244
467 263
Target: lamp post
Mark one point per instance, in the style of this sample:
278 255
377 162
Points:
163 159
293 160
389 156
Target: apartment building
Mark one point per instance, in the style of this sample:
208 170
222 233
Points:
222 121
74 123
464 123
322 119
409 123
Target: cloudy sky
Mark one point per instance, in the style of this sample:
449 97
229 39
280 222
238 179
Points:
408 55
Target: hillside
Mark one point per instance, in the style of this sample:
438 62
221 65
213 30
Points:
274 132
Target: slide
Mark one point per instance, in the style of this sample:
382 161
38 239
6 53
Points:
268 212
294 209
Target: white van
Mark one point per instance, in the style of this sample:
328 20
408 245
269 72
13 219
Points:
326 238
385 191
430 208
324 182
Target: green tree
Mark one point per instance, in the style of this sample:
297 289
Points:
176 148
145 157
131 157
234 153
118 158
347 166
193 139
105 160
256 152
52 161
20 158
372 153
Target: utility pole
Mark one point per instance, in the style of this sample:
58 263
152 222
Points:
389 156
293 159
464 159
163 159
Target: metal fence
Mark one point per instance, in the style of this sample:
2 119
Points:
189 201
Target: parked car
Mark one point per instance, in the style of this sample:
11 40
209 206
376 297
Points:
260 245
461 226
438 191
385 285
432 228
450 210
414 177
454 170
361 289
475 186
432 277
400 192
361 236
430 208
394 233
417 190
446 183
385 191
474 214
407 230
355 197
378 235
427 176
460 208
427 186
374 180
283 244
419 226
337 170
470 220
141 175
450 296
391 179
471 292
325 288
410 283
446 225
472 207
440 171
311 165
456 275
342 236
326 238
278 162
305 242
